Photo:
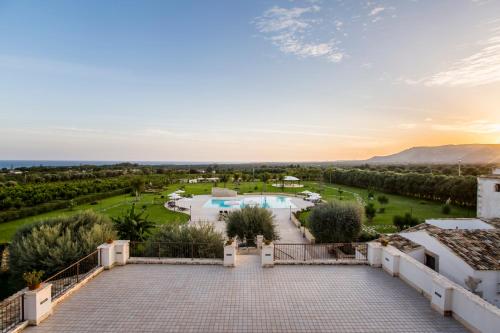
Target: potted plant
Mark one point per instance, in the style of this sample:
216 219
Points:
33 279
229 242
267 241
109 241
384 242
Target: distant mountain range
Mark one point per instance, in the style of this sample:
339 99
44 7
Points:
449 154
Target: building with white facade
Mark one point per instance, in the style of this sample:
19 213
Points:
466 251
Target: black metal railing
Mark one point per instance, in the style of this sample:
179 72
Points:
310 252
176 250
11 312
73 274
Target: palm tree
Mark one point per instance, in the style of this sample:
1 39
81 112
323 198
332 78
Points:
133 226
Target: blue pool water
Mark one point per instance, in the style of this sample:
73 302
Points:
268 201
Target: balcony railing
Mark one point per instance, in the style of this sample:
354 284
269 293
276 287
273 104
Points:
321 252
176 250
73 274
11 313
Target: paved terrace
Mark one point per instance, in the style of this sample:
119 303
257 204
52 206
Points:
189 298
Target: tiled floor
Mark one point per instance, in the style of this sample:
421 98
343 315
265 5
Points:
182 298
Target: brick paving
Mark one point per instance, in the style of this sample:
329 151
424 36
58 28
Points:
184 298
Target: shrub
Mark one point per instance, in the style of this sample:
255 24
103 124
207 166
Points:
370 212
209 241
446 209
367 234
53 244
249 222
383 200
381 210
335 222
406 221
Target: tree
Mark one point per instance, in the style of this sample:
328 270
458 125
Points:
53 244
249 222
406 221
133 226
341 191
137 185
446 209
335 222
224 178
370 212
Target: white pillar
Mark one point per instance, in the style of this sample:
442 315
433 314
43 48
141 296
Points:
267 255
107 255
442 291
38 304
121 251
390 260
230 255
375 254
260 240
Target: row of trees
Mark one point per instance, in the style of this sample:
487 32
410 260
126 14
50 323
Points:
459 190
34 194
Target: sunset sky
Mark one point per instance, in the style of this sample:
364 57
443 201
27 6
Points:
245 80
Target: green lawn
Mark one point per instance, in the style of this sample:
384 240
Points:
112 207
398 205
115 206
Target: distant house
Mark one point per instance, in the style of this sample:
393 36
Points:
467 251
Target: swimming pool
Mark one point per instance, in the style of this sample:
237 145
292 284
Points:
267 201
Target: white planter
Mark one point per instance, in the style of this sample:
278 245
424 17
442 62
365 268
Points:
230 255
38 304
267 255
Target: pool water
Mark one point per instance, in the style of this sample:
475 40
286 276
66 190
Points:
268 201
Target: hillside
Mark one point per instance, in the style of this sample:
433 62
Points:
449 154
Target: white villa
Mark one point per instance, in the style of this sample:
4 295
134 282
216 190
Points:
466 251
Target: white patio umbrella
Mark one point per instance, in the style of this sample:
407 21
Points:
179 191
174 196
307 192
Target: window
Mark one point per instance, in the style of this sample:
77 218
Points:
497 187
431 261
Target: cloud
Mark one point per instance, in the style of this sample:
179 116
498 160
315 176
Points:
376 11
476 126
483 67
288 29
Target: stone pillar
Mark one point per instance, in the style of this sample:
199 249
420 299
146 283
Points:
38 304
442 291
267 255
107 255
390 260
121 251
260 240
375 254
230 254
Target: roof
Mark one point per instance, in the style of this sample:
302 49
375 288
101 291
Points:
290 178
403 244
480 249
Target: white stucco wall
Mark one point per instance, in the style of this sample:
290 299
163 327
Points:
454 268
489 285
488 200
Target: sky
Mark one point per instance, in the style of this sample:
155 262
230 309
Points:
260 80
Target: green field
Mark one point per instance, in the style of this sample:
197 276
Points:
112 207
398 205
153 203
